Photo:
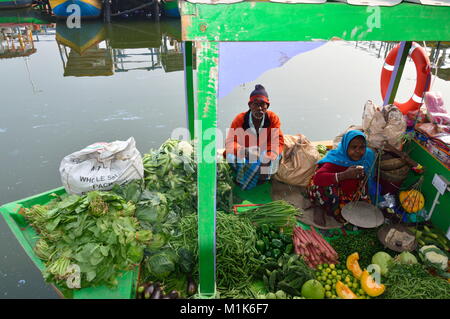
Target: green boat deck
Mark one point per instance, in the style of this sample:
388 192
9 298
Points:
27 237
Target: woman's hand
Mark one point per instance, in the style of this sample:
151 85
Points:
352 172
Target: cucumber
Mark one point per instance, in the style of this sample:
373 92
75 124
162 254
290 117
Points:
272 280
433 235
290 276
425 227
266 281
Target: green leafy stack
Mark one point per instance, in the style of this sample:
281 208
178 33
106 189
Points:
172 170
87 240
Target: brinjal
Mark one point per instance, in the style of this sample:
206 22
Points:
191 287
173 294
156 293
149 290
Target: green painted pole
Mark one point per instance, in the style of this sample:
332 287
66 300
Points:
207 78
400 61
189 87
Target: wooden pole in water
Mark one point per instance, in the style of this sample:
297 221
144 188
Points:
155 10
107 11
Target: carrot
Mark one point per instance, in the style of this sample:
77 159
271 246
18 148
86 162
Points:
326 246
304 249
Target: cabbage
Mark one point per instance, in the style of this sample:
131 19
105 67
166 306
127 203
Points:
382 259
406 258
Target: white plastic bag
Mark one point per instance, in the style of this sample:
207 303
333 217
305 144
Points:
101 165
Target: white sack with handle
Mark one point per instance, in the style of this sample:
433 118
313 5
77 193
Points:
99 166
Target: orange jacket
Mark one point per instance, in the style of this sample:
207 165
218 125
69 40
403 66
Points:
270 137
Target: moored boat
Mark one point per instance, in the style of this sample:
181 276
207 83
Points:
88 8
13 4
170 8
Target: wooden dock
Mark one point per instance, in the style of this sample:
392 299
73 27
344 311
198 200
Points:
116 8
126 8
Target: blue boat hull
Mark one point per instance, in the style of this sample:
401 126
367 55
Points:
170 9
86 10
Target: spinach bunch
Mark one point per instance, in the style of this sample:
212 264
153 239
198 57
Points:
87 239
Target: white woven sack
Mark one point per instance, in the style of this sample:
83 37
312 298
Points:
101 165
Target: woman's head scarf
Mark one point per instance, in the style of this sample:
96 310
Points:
340 157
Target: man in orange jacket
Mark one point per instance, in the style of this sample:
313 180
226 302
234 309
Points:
254 142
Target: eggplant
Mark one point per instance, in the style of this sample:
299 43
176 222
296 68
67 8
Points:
150 290
191 287
173 294
156 293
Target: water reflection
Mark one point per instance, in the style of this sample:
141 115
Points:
16 41
98 49
438 52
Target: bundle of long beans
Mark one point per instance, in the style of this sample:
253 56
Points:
279 213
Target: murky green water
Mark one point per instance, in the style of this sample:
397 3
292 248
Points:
106 83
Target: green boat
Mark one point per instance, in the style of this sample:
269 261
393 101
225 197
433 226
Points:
27 237
211 24
13 4
23 16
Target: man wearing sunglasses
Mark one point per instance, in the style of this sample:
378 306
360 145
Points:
255 141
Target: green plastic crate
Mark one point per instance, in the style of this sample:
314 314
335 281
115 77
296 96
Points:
27 238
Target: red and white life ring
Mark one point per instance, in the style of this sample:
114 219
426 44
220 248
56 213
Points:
422 63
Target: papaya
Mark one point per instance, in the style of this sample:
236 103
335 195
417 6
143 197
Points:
412 201
353 265
344 291
370 286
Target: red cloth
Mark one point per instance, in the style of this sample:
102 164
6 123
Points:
273 136
325 175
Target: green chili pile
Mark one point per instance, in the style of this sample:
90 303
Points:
365 242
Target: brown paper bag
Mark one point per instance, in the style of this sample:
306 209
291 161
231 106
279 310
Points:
298 162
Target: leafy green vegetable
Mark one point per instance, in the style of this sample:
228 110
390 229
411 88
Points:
161 264
96 232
